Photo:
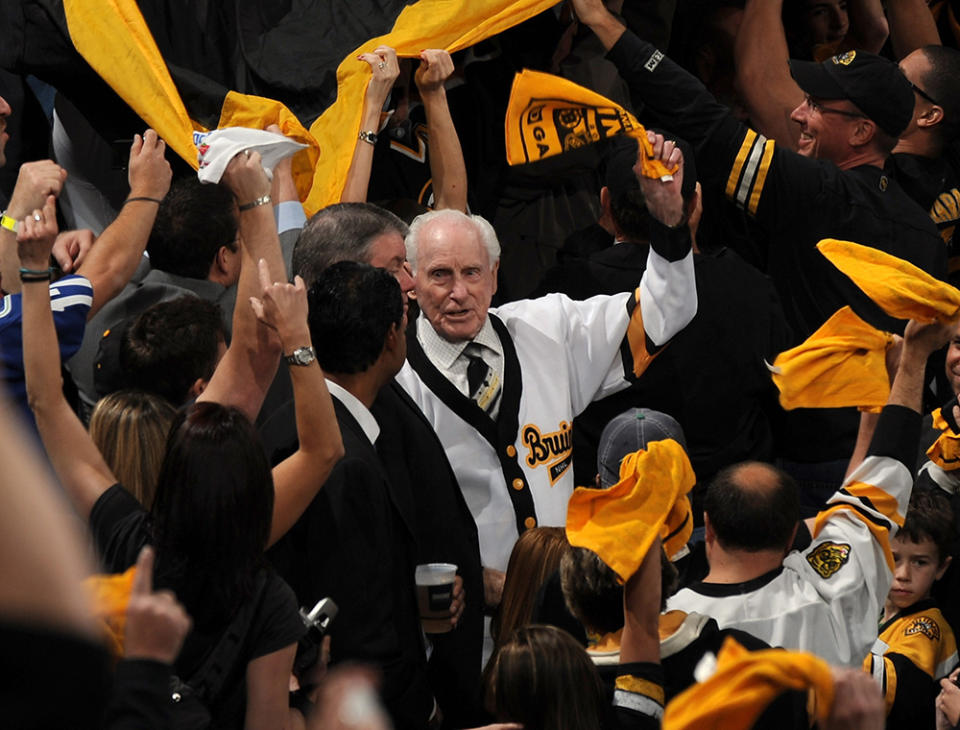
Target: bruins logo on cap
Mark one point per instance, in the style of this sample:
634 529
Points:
828 557
923 625
844 59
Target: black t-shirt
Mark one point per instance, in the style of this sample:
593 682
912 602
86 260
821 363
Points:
120 529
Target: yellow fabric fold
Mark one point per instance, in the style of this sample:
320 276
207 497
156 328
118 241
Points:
945 451
841 364
113 37
110 595
132 66
548 115
898 287
620 523
744 684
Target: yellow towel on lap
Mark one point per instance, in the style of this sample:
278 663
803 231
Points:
744 684
841 364
620 523
548 115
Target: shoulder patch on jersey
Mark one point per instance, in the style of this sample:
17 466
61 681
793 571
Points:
923 625
844 59
828 557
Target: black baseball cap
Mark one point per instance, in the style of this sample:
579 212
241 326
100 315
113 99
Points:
875 84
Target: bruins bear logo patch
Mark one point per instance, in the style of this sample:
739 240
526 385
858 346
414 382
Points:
828 557
923 625
844 59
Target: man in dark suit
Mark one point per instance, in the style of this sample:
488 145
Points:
423 485
353 542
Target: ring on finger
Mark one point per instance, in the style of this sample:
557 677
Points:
246 152
382 65
37 217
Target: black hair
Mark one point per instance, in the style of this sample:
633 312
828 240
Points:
212 511
170 345
341 232
942 82
752 506
930 515
194 221
352 308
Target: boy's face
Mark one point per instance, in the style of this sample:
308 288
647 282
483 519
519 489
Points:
916 566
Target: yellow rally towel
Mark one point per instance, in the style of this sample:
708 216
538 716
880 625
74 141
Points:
548 115
744 684
898 287
110 595
620 523
945 451
841 364
114 39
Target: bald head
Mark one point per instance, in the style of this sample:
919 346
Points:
752 506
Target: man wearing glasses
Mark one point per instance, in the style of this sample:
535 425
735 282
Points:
833 186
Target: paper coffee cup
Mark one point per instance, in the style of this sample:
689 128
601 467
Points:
434 594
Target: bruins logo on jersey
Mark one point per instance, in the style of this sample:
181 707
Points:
844 59
923 625
828 557
549 448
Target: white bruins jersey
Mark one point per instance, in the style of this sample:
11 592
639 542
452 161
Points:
516 472
823 599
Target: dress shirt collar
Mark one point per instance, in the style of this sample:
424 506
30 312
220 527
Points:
443 353
368 423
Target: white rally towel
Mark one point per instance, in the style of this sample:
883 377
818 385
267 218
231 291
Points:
215 149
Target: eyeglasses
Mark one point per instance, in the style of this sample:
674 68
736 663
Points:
924 94
821 109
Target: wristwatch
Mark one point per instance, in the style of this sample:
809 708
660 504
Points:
301 356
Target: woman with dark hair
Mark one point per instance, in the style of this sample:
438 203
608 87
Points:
214 512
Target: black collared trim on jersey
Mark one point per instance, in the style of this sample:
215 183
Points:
720 590
626 354
924 604
879 521
501 433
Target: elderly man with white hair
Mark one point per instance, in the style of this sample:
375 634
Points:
501 386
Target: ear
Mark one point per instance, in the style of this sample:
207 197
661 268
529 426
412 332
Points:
943 567
605 200
708 533
862 133
199 385
931 117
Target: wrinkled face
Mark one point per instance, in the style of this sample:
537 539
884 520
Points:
454 280
825 128
825 21
916 566
953 362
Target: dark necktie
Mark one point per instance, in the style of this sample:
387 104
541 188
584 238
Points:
482 381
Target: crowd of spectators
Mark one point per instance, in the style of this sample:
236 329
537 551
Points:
557 377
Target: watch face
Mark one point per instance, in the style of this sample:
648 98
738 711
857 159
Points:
302 356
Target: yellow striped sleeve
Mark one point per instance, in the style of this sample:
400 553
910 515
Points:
739 162
761 177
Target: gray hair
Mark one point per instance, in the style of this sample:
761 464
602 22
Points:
488 237
341 232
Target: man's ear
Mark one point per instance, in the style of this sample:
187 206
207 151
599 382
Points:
931 117
863 132
199 385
